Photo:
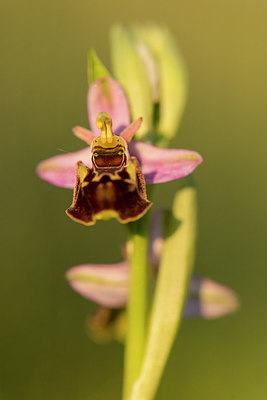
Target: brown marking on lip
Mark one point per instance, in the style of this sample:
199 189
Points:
106 160
109 195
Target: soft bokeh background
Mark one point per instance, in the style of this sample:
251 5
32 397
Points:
45 353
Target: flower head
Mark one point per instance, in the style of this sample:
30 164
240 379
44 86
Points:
114 186
141 163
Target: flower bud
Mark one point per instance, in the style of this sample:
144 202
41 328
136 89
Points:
172 77
130 71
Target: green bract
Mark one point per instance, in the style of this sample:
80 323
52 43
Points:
172 77
150 68
95 67
131 72
175 270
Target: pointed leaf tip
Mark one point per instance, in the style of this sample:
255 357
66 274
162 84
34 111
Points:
95 67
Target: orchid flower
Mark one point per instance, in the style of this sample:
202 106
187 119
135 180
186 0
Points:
109 178
106 99
108 284
206 298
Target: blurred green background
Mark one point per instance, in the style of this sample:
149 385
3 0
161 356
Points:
45 352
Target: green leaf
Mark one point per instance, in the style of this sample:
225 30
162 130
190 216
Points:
131 73
172 76
95 67
175 270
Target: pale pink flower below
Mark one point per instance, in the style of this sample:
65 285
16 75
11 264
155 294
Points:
108 284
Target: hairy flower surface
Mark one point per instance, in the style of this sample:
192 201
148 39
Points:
72 170
114 186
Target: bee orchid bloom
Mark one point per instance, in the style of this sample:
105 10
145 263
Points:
109 117
108 286
114 186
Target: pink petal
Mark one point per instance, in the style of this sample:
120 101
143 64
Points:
209 299
84 134
106 284
131 130
164 165
60 170
106 95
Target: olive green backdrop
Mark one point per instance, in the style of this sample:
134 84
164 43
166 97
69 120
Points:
45 353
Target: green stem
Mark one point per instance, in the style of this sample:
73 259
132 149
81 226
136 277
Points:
137 305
